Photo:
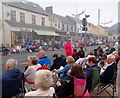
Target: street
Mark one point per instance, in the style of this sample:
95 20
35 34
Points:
22 57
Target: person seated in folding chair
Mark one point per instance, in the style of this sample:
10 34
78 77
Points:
30 72
57 62
43 81
92 63
82 59
68 89
43 59
103 64
12 80
63 71
117 57
107 75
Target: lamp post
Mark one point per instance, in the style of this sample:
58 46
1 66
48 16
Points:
1 23
3 32
84 23
98 24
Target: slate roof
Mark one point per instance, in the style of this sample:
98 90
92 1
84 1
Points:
29 26
74 19
29 6
79 21
62 19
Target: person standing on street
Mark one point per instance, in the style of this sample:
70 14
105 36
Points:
68 48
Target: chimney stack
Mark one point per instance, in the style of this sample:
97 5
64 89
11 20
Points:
49 9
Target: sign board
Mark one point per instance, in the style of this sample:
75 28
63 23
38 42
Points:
15 29
26 29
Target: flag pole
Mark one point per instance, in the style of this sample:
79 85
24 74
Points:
98 23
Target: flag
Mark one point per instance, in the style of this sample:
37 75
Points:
109 22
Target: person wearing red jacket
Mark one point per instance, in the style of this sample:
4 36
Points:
68 48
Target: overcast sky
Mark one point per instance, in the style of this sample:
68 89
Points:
108 9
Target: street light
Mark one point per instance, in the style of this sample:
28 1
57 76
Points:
77 17
84 23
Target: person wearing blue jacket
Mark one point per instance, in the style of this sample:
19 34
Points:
43 59
12 80
63 72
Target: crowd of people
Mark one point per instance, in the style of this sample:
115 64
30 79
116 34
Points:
19 48
60 77
36 45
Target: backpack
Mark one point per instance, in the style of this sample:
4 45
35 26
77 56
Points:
76 57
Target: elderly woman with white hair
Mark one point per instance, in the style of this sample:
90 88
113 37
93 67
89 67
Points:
107 75
117 57
43 81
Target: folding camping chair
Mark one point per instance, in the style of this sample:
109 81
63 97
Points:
12 87
112 84
95 77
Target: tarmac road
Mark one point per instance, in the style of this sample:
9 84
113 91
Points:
22 57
